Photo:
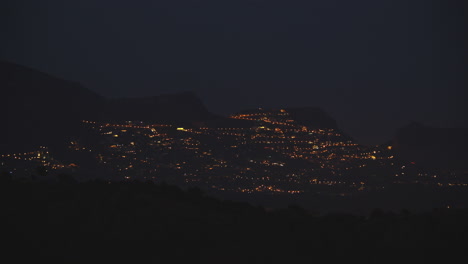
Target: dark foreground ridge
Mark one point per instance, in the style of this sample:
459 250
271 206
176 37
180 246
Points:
100 222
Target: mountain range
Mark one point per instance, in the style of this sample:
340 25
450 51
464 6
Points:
40 109
44 110
433 147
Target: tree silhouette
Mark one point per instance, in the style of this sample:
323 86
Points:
42 171
5 177
66 178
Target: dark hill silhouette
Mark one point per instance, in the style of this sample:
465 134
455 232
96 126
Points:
39 109
433 147
313 117
166 108
96 222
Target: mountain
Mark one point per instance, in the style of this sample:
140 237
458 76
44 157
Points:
167 108
433 147
312 117
39 109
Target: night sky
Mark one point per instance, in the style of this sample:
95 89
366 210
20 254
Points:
373 65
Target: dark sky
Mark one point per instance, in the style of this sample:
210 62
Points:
373 65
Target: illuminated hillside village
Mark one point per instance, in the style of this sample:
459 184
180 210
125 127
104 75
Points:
275 155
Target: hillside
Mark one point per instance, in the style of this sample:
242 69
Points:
39 109
433 147
166 108
98 222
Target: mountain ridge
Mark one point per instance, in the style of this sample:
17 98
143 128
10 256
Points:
45 110
432 147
